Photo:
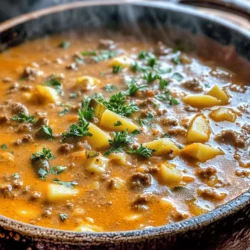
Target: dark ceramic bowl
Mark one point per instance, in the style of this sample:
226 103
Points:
227 227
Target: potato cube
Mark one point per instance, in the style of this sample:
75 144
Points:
87 82
59 193
119 158
45 94
88 228
219 93
99 139
169 174
122 61
98 107
97 164
201 101
201 152
162 147
115 122
199 129
6 157
223 114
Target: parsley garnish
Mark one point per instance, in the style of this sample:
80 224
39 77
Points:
22 117
63 112
69 184
86 112
133 88
64 44
3 147
63 217
44 155
152 62
118 123
177 76
110 88
166 97
139 68
116 103
117 69
54 82
141 151
78 130
89 53
16 176
151 77
42 173
143 54
105 55
54 170
163 83
48 131
146 121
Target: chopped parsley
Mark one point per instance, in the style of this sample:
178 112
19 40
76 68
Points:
63 217
42 173
45 154
86 112
151 77
151 62
3 147
63 112
143 54
104 55
64 44
177 76
141 151
176 59
163 83
146 121
116 103
47 131
54 171
167 97
89 53
22 117
135 67
78 130
116 69
110 88
68 184
55 83
133 88
16 176
118 123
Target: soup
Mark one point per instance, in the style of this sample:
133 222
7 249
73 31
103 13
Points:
110 135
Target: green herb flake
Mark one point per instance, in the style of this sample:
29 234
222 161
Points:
110 88
151 62
151 77
45 154
63 112
68 184
133 87
72 95
63 217
64 44
146 121
177 76
118 123
42 173
55 83
57 170
143 54
16 176
48 131
105 55
116 69
167 97
89 53
23 118
163 83
141 151
86 112
4 147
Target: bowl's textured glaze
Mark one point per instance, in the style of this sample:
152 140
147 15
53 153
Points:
225 228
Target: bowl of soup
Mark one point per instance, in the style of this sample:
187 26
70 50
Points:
124 126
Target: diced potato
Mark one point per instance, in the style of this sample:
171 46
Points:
109 119
87 81
169 174
97 164
166 203
201 152
201 101
88 228
219 93
162 146
119 158
199 129
197 209
6 157
45 94
98 107
223 114
122 61
99 139
59 193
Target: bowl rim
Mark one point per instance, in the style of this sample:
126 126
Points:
66 236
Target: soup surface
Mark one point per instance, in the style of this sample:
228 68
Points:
109 135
